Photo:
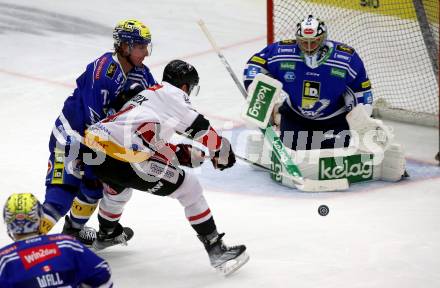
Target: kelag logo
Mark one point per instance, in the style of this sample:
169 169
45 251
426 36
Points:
356 168
261 101
311 91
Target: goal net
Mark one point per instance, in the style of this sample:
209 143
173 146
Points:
398 41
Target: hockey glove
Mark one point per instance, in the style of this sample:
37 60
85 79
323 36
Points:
131 90
189 156
224 157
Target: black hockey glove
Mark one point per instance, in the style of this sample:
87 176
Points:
129 92
224 157
189 156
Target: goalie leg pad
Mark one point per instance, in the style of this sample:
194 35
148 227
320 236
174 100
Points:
393 163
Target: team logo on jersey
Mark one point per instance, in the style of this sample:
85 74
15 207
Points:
285 65
258 60
111 70
310 95
289 76
345 49
337 72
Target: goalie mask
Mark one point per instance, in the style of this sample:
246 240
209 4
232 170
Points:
311 34
22 214
132 32
179 73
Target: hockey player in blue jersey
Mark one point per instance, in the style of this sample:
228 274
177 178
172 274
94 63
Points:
45 261
323 80
101 89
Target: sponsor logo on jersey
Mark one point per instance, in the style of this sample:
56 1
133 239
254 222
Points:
58 169
345 49
368 97
288 42
8 250
356 168
284 65
252 71
289 76
258 60
338 72
49 167
99 68
310 95
286 50
35 255
343 57
366 84
312 74
111 70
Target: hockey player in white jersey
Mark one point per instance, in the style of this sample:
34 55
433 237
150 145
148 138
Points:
134 143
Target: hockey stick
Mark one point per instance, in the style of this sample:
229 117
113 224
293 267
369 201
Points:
307 185
282 155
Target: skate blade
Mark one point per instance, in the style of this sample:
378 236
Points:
233 265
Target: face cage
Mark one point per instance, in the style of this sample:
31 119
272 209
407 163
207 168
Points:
310 45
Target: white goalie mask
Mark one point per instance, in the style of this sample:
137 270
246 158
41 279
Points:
311 34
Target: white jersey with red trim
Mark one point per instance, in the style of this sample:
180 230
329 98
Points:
134 128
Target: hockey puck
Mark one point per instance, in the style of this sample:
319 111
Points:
323 210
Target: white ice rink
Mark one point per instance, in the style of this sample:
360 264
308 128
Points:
376 235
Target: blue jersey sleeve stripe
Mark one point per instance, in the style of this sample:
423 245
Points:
5 260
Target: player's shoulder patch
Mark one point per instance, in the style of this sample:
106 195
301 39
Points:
111 70
287 42
344 48
257 60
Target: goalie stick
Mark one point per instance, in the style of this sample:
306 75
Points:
301 183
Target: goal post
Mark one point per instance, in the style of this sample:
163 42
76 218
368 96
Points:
398 40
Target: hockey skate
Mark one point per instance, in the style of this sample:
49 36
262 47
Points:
225 259
105 239
86 235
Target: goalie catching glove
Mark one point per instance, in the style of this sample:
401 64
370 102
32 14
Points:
224 157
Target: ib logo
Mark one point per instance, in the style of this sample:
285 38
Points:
311 91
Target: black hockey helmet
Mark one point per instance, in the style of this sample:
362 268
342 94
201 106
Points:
179 72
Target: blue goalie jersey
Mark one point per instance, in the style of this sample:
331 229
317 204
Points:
337 82
51 261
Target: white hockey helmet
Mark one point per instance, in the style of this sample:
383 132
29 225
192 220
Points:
311 34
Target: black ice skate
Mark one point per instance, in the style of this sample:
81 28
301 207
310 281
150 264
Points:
86 235
119 235
225 259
